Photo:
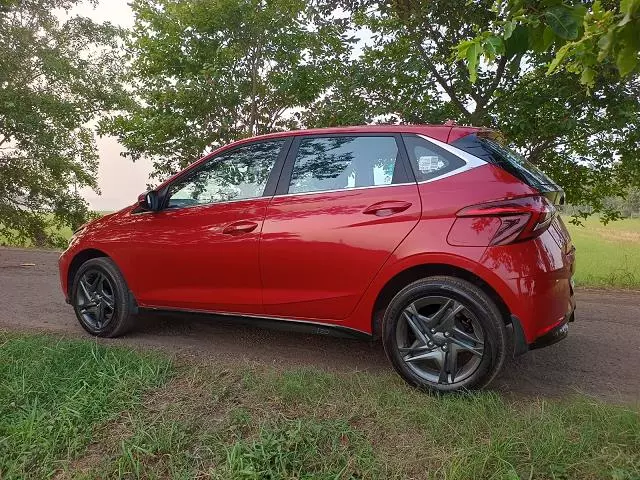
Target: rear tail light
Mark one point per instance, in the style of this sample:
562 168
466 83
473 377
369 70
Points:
502 222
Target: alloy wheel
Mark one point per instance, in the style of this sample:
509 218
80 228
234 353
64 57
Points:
440 339
95 299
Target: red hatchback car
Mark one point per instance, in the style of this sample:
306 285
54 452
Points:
438 239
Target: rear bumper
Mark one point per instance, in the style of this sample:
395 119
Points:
556 333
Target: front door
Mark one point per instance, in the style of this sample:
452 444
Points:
345 203
200 252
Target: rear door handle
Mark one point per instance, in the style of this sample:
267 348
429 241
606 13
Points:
384 209
237 228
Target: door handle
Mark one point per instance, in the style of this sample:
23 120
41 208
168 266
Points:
384 209
240 227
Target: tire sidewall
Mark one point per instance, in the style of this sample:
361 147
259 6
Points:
492 350
119 296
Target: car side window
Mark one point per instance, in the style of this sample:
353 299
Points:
429 161
343 162
238 175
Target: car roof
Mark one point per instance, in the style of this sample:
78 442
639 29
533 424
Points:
439 132
444 133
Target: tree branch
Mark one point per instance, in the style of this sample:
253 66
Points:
441 81
483 100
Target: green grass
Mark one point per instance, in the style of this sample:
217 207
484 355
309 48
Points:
53 392
72 409
607 256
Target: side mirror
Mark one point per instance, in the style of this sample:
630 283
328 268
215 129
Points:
150 200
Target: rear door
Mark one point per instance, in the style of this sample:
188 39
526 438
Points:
342 205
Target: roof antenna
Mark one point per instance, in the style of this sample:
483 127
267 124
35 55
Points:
449 123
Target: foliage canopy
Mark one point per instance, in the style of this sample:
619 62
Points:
55 78
206 73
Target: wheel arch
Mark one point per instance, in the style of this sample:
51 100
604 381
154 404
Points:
416 272
77 261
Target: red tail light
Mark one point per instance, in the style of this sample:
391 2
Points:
502 222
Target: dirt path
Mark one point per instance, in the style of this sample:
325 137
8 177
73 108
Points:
601 356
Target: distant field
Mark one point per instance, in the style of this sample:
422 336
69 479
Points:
607 256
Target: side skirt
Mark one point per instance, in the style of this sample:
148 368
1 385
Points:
271 323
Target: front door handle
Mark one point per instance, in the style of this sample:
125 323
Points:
237 228
384 209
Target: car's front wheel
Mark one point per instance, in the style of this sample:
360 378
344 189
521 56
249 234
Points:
101 298
444 334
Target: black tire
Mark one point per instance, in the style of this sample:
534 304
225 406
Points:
114 299
478 318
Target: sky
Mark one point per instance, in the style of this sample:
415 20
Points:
120 180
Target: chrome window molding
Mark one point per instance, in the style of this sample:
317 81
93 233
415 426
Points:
201 205
471 161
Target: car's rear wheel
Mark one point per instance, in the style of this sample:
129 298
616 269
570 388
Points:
101 298
444 334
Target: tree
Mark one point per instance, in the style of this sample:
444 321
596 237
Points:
584 36
409 73
55 77
207 72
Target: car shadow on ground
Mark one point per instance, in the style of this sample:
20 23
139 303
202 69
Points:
555 371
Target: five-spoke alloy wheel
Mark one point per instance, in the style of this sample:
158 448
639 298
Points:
444 334
101 298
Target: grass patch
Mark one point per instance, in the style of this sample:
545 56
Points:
480 435
73 409
301 448
54 392
223 422
607 256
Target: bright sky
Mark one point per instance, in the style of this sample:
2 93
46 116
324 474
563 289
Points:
120 179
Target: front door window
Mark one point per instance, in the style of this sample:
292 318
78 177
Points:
238 175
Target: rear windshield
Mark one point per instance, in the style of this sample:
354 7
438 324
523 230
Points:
496 153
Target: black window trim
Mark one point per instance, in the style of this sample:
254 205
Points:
401 175
269 189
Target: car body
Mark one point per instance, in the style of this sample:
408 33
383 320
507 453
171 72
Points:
325 227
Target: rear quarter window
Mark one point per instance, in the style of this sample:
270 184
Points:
429 161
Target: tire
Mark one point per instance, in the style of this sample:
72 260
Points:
99 290
436 319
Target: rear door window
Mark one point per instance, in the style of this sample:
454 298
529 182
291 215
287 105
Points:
344 162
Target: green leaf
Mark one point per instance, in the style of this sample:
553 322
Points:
462 48
588 77
518 43
558 58
627 60
473 53
605 43
547 37
564 21
628 8
493 46
508 30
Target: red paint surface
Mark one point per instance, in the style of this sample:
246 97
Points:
325 257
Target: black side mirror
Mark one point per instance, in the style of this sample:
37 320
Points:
150 200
